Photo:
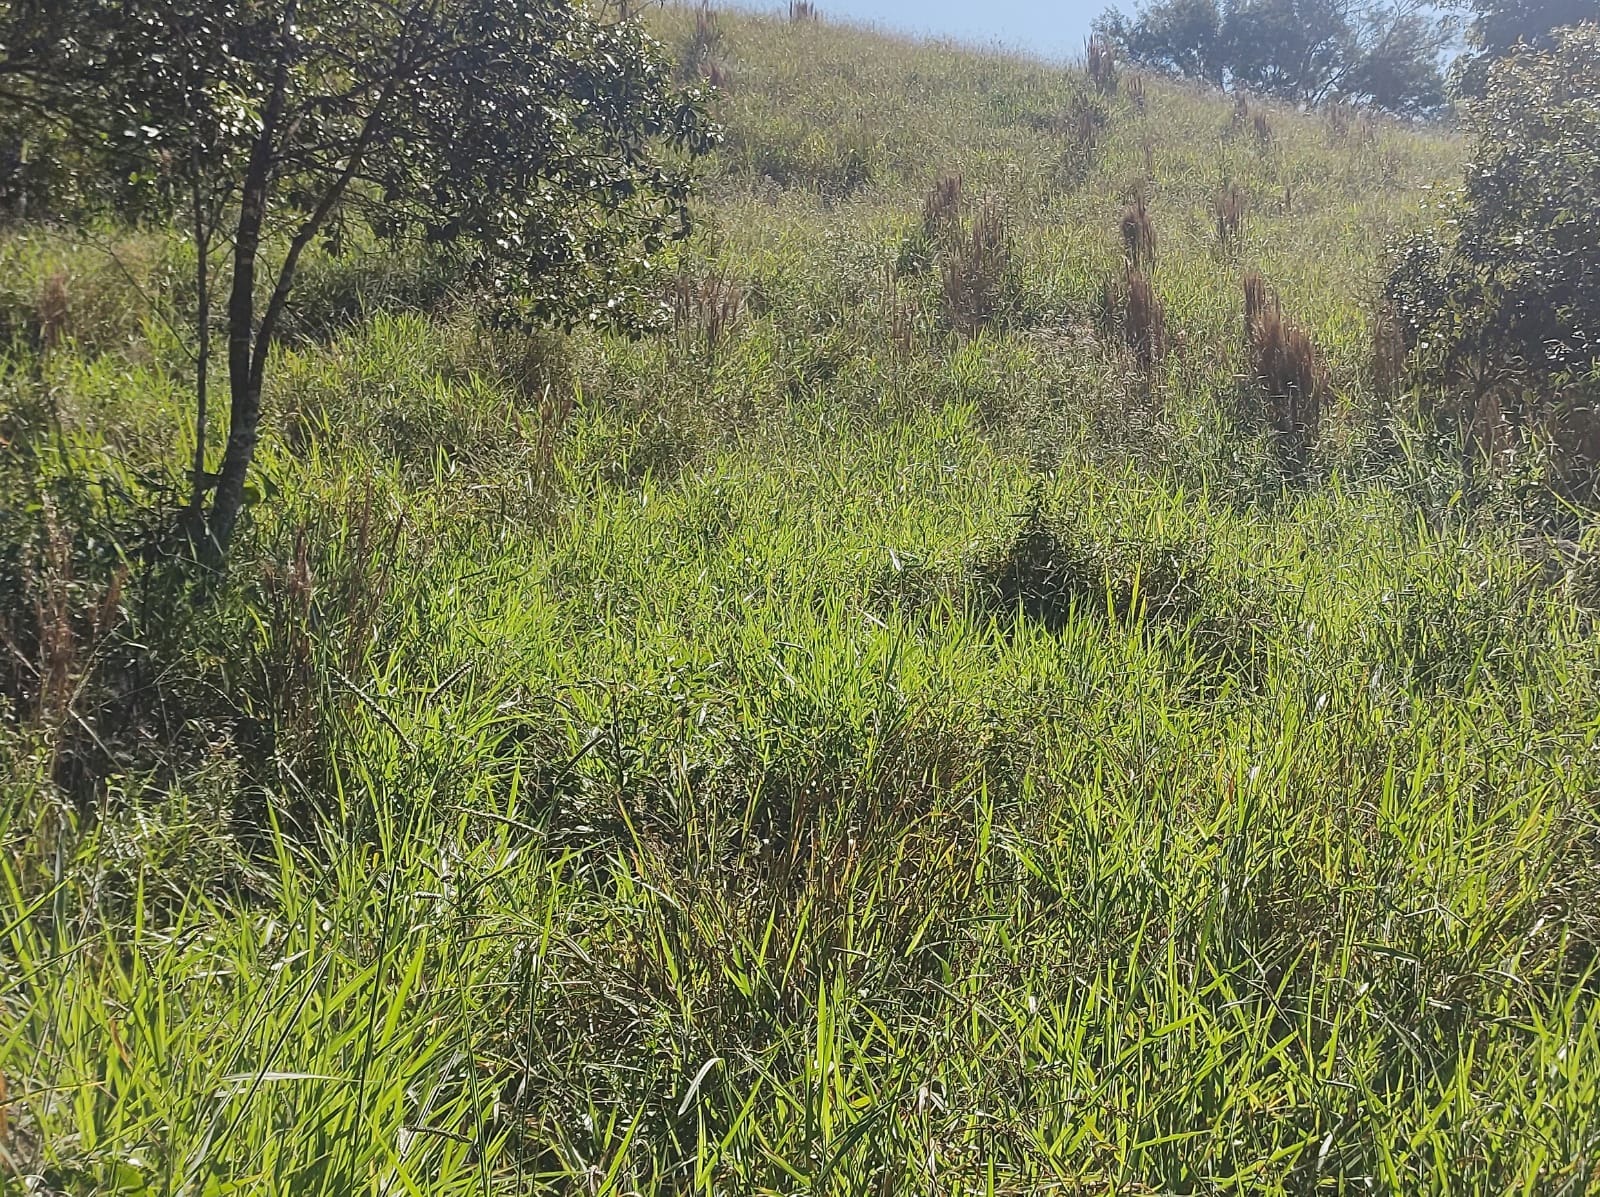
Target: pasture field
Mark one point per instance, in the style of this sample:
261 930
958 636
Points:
912 727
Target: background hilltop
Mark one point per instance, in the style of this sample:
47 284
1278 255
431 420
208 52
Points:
943 714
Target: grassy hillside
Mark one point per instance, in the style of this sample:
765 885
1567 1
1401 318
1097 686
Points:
839 746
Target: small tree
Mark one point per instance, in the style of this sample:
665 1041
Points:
1183 37
543 148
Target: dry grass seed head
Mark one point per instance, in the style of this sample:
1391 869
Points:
705 307
1288 372
1389 352
1339 116
1080 125
1132 314
1134 90
1146 321
1101 64
1138 236
1265 139
941 207
1230 208
1241 112
704 43
976 271
899 316
53 310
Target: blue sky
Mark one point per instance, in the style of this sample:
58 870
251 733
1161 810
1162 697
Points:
1038 26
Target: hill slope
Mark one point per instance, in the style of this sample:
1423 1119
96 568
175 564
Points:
883 736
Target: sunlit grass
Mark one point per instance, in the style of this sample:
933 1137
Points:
643 767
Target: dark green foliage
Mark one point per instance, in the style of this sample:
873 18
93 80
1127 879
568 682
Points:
1523 272
1181 36
1052 572
1384 53
1499 26
543 146
1503 312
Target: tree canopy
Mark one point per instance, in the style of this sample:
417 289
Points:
1385 53
1500 309
544 148
1517 280
1499 26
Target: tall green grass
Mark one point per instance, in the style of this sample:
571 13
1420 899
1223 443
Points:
816 759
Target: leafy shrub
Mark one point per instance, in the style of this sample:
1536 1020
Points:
1502 315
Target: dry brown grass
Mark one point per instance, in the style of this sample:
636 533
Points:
52 639
1265 138
976 275
1289 376
1339 118
1134 90
941 208
1240 119
1389 352
899 316
705 308
1231 208
53 310
704 45
1100 60
1132 314
1138 236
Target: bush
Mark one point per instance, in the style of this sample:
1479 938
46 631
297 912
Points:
1503 314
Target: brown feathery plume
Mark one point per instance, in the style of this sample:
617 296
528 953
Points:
1138 236
1288 374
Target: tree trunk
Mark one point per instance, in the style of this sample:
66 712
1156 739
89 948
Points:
202 242
245 356
244 393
